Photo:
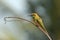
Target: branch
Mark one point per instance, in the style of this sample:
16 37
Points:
34 23
17 18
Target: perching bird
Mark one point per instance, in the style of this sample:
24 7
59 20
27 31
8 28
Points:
38 19
39 22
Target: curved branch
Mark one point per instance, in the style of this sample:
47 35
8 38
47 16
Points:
17 18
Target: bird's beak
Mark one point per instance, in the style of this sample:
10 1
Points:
30 15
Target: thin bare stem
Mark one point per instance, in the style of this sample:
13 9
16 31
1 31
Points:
17 18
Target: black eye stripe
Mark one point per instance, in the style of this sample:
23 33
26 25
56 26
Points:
33 14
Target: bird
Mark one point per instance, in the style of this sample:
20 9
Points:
37 19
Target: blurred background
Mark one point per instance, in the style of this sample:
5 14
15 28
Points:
49 10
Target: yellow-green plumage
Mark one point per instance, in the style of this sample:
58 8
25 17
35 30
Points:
39 20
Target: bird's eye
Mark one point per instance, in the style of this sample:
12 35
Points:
33 14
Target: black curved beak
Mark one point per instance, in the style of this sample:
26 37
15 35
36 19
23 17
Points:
30 15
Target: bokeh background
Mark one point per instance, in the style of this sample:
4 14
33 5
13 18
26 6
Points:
49 10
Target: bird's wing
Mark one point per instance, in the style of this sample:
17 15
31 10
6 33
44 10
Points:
41 24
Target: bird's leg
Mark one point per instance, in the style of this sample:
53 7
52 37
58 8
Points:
34 22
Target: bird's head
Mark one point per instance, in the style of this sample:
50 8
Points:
34 14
